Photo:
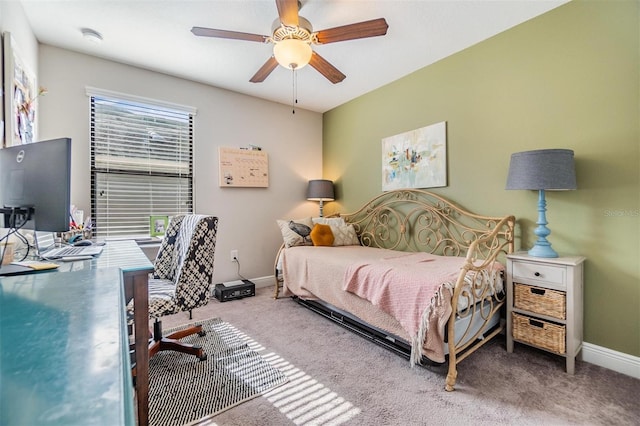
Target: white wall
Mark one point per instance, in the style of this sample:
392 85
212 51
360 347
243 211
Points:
246 215
13 19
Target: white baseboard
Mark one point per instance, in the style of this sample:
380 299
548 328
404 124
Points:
613 360
594 354
268 281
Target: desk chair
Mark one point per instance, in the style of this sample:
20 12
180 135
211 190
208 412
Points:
181 280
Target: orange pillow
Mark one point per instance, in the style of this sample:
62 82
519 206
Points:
321 235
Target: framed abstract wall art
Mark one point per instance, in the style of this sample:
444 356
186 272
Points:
415 159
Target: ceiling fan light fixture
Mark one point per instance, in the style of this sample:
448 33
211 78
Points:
292 53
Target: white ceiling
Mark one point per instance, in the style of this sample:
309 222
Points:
155 34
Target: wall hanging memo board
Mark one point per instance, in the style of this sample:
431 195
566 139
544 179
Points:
20 93
243 168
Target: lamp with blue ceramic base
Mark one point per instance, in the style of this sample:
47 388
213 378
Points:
542 170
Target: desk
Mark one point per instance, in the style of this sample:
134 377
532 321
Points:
64 349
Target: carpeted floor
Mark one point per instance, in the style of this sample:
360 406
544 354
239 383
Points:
338 378
183 389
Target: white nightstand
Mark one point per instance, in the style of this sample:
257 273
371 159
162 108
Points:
544 304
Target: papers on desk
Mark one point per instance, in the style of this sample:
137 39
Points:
36 265
27 267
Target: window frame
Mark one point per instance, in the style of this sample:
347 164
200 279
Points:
153 180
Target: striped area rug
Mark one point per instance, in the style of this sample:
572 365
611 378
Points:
184 390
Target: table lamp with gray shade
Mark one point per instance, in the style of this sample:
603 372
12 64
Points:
320 190
542 170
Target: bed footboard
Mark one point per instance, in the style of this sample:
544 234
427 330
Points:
480 284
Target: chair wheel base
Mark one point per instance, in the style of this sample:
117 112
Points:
173 343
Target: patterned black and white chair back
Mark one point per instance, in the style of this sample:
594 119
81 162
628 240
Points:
183 268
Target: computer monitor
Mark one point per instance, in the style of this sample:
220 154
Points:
36 178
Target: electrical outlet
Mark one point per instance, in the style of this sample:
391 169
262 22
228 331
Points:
234 256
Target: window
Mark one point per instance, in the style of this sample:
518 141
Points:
141 163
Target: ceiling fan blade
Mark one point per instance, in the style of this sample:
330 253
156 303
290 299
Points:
235 35
288 12
265 70
326 69
373 28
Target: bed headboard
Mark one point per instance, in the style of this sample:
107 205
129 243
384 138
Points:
417 220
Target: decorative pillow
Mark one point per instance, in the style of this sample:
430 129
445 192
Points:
321 235
345 236
333 221
296 232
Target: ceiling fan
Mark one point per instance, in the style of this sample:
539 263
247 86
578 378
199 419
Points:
292 38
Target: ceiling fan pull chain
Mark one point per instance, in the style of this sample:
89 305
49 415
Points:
294 84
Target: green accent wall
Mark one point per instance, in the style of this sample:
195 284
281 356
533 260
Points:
567 79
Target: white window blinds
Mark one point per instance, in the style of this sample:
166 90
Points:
141 164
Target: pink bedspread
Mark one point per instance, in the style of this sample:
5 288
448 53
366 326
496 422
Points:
409 288
318 273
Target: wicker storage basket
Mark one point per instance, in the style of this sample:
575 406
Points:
540 300
540 333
